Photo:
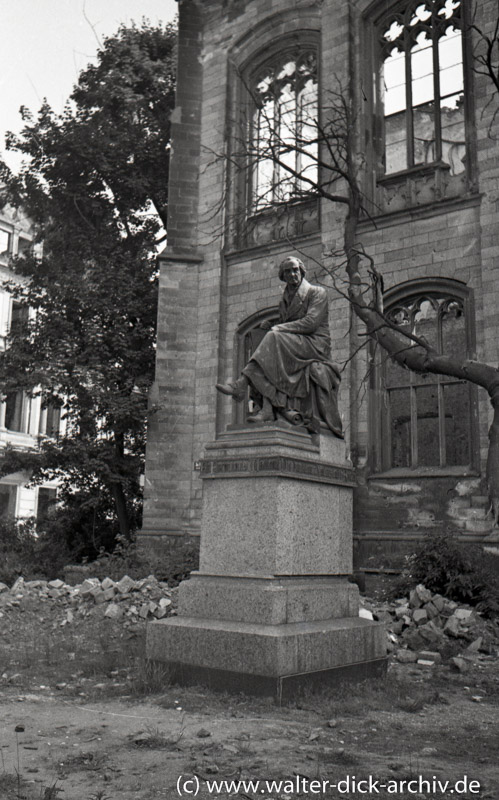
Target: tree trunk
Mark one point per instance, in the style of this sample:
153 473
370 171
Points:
493 456
119 494
121 509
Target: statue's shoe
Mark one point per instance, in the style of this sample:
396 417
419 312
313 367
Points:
261 416
235 390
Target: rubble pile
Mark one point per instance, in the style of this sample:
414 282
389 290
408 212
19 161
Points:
126 600
426 627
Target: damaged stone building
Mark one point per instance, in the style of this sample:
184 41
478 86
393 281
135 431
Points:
428 164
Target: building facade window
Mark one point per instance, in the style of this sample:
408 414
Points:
8 500
50 421
17 412
422 104
249 334
24 246
5 245
274 138
19 319
46 499
283 129
422 87
427 420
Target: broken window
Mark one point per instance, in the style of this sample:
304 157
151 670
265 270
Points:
283 129
427 419
421 87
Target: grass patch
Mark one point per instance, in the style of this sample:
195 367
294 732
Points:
14 787
83 762
155 739
149 677
371 696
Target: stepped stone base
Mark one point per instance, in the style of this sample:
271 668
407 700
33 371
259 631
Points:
268 600
275 660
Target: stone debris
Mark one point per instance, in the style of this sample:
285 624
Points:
428 629
114 611
459 663
125 585
127 600
420 616
428 655
406 656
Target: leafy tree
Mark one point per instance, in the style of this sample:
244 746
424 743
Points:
94 182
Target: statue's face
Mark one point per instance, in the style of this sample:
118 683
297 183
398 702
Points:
291 274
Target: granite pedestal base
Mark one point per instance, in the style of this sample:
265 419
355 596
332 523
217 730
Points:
271 610
275 660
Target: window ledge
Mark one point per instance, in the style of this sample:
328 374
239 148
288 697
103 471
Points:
235 255
425 472
276 227
419 169
423 211
280 208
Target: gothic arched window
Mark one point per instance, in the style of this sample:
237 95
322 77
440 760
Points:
427 420
249 334
282 142
422 86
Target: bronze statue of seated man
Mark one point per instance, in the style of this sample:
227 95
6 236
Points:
290 373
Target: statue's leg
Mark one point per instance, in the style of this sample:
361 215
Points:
265 415
254 373
234 389
262 386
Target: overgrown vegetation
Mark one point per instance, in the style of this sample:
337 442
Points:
21 553
37 550
128 559
464 573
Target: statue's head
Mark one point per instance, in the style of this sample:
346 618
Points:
291 261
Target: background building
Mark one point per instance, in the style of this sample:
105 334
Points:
22 418
428 164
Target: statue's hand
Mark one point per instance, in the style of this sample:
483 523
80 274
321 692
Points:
266 325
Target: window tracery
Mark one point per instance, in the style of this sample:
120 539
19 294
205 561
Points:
283 129
422 87
275 141
422 104
427 419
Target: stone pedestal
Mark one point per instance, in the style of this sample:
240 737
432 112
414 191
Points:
271 609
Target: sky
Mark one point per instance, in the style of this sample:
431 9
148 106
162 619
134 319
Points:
44 45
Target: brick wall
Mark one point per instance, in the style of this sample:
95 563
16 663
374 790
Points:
208 290
169 455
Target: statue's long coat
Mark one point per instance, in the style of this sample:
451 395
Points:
295 357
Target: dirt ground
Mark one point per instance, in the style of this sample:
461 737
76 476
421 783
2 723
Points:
85 717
